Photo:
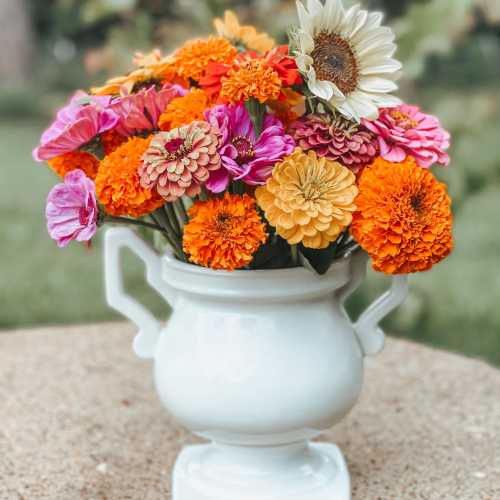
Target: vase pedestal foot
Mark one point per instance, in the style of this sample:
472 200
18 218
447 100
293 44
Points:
301 471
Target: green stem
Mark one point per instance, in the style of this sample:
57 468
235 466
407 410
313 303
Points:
180 210
256 111
294 252
133 222
172 218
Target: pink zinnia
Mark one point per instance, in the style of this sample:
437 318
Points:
141 111
405 130
337 139
76 125
72 209
245 156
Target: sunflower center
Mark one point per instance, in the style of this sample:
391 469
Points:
403 120
335 61
244 147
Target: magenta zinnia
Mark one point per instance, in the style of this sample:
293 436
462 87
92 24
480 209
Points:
337 139
141 111
178 162
246 156
72 209
406 131
80 121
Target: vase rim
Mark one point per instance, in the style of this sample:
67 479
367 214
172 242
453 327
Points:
258 284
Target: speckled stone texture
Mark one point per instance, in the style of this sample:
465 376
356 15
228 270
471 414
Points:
79 419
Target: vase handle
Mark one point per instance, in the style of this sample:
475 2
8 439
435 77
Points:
149 327
370 335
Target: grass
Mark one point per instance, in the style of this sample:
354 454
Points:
40 283
456 306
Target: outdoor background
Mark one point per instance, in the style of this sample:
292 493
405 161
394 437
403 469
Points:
48 48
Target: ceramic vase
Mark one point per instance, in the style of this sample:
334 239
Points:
257 362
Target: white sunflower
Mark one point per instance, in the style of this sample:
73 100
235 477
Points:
346 57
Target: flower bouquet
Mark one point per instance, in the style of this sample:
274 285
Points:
289 163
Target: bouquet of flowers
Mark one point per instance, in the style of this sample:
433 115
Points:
244 154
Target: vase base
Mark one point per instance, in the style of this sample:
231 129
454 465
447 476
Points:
301 471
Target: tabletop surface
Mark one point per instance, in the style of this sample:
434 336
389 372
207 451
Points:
79 419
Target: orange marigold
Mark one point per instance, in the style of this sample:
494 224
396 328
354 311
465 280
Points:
110 140
251 78
118 185
194 56
224 233
184 110
403 218
67 162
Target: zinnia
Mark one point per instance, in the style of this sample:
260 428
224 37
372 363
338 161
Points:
76 125
403 218
152 70
245 156
224 233
336 139
140 112
194 56
77 160
405 130
179 162
184 110
118 183
230 28
72 209
308 199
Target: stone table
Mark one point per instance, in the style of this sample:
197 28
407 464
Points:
79 419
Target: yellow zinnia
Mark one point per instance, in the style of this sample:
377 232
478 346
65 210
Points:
230 28
152 68
309 200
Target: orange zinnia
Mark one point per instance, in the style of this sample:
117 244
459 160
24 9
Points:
118 184
224 233
110 140
251 78
67 162
194 56
184 110
403 218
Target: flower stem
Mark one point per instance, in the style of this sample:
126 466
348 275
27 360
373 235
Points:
294 252
133 222
172 218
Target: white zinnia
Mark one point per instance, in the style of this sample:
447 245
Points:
346 57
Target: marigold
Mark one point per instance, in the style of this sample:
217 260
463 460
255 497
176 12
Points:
152 69
404 218
194 56
230 28
308 200
224 233
111 140
118 184
251 78
67 162
184 110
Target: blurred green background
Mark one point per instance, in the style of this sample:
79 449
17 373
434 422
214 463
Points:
451 51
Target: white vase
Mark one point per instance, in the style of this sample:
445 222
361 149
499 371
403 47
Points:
259 363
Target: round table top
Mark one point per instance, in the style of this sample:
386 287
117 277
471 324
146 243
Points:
80 420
